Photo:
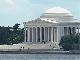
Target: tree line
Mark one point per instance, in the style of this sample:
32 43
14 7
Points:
11 35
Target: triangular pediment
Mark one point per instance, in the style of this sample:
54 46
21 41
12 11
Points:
38 20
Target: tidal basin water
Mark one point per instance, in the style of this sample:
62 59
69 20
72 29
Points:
39 57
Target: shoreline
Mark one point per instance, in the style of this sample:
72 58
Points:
39 51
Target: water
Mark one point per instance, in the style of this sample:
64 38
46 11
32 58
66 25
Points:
39 57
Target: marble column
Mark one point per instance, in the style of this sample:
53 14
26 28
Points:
40 34
28 34
36 35
32 34
55 34
25 35
63 31
44 33
51 34
48 33
59 34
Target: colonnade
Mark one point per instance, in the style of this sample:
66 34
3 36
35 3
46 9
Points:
40 34
47 34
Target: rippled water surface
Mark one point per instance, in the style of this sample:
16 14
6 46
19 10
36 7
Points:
39 57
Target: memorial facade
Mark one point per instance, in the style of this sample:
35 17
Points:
51 26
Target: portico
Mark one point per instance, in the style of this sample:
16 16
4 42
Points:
40 34
51 26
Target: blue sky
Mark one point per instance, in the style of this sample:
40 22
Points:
19 11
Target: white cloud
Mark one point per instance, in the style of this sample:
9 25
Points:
11 2
7 3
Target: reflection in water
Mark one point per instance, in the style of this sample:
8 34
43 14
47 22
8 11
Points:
39 57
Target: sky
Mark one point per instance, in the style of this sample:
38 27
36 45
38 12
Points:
19 11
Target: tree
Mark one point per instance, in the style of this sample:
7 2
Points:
15 39
16 26
70 42
11 35
4 34
16 35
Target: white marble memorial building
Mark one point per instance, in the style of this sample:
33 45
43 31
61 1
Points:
51 26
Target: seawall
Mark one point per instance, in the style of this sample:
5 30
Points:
33 51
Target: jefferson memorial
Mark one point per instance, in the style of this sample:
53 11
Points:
51 26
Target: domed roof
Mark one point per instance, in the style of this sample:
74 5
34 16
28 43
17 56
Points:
58 10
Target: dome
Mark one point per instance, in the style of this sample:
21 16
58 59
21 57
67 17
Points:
58 10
